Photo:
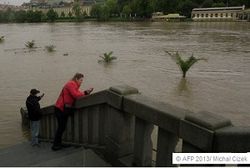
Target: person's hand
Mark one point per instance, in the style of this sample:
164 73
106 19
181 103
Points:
88 91
42 95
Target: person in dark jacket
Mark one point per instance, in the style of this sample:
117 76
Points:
34 113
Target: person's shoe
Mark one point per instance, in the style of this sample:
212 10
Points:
56 147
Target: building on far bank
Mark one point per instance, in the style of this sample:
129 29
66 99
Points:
217 13
244 15
159 16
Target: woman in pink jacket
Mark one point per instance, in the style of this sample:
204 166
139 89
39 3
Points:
68 95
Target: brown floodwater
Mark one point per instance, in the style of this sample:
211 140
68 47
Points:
221 85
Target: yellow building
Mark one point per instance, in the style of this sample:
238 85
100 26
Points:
217 14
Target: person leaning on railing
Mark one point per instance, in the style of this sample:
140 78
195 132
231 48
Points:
70 93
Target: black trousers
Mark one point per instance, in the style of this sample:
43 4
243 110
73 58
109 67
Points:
62 119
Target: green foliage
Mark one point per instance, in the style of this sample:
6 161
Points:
1 39
30 44
219 4
112 7
50 48
184 65
70 14
107 57
21 16
52 15
96 11
77 10
62 15
104 9
127 10
34 16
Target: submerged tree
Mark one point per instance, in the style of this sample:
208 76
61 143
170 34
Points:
50 48
184 65
107 57
1 39
30 44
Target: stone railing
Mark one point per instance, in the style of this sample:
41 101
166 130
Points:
119 122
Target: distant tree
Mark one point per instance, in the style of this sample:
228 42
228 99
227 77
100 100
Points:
127 10
20 16
219 4
112 7
70 14
35 16
105 13
186 7
62 15
77 10
52 15
96 11
207 3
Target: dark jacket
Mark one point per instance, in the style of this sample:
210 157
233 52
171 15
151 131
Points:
33 107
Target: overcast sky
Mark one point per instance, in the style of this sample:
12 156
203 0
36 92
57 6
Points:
13 2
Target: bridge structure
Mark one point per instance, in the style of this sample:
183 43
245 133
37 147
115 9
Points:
117 125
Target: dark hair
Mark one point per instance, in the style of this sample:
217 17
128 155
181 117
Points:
77 76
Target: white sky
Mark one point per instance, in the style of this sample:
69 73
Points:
13 2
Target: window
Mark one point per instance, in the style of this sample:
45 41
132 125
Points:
216 15
212 15
221 15
202 15
198 15
206 15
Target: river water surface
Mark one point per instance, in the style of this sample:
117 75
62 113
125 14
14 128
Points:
221 85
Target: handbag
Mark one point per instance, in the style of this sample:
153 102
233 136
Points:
68 109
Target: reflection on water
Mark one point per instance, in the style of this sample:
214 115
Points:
184 88
26 132
220 85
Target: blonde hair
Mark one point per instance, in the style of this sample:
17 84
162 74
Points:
77 76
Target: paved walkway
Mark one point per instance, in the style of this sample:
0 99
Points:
25 155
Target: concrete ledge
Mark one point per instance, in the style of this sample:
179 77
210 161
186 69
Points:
232 139
164 115
48 110
200 137
123 89
114 99
93 99
208 120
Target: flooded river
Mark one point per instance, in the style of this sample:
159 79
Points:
221 85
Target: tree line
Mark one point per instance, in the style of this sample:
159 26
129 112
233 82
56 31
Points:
29 16
125 9
145 8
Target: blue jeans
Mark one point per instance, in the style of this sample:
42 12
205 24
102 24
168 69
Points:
35 126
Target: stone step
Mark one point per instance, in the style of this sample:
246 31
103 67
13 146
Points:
83 158
25 155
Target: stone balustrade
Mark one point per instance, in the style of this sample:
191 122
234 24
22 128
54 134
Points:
118 122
